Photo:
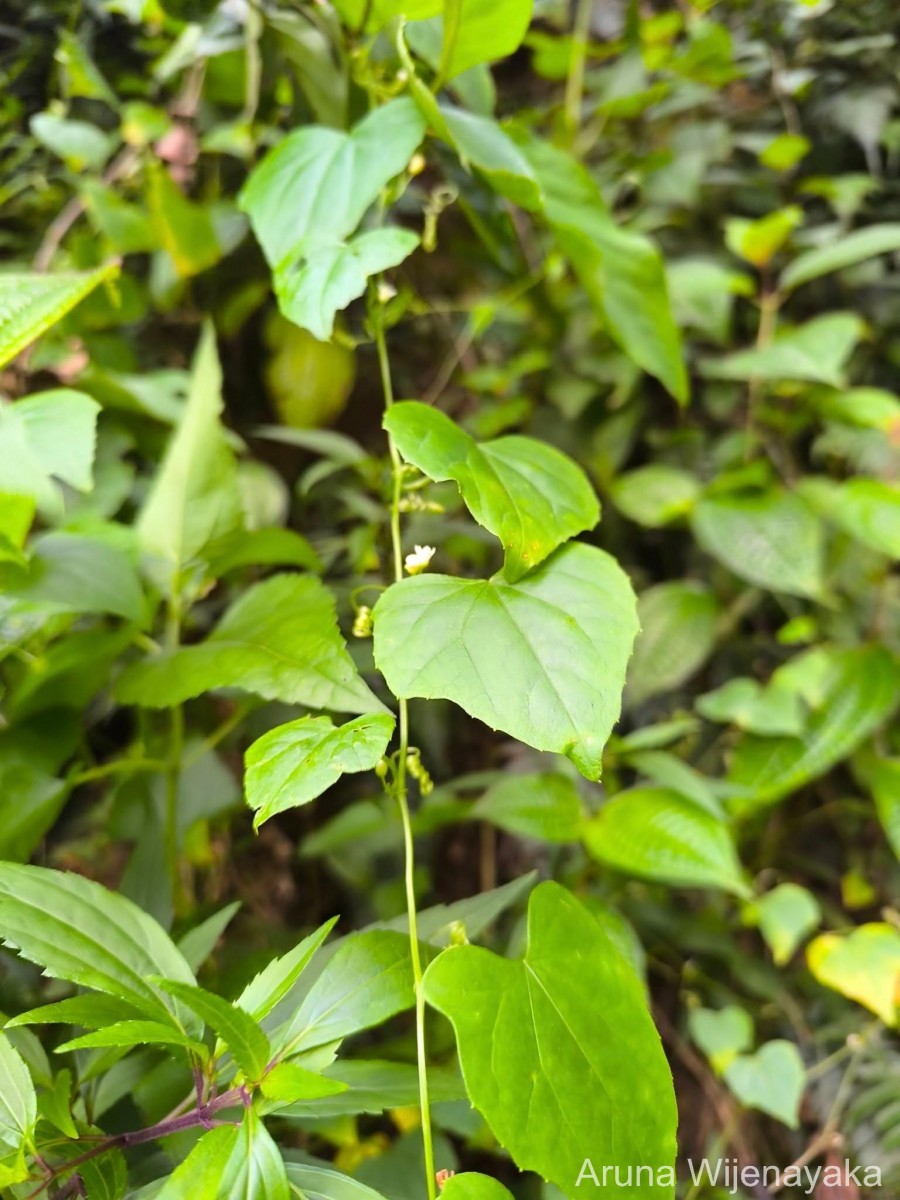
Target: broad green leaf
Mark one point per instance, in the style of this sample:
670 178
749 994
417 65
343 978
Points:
132 1034
375 1087
722 1034
845 251
770 711
867 407
371 15
532 497
47 437
656 494
558 1077
676 775
366 980
273 983
623 274
199 1176
866 509
18 1102
280 640
861 691
255 1169
260 547
475 913
487 30
658 834
786 916
483 144
335 273
816 352
470 1185
291 765
288 1083
678 624
30 802
79 144
772 1080
703 293
317 1181
863 966
183 228
546 807
621 271
542 659
313 189
74 573
77 930
773 539
236 1028
106 1177
195 498
32 304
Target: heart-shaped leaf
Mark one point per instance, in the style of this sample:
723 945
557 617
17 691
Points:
313 189
722 1034
542 659
863 965
559 1076
334 274
785 916
532 497
771 1080
291 765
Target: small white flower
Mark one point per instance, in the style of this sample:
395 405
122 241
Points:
419 559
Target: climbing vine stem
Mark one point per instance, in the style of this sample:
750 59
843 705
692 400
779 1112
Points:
399 781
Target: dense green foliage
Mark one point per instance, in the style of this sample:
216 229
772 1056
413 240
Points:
326 330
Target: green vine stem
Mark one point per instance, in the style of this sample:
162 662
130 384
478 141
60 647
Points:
399 785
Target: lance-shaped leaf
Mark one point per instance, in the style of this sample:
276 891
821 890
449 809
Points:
558 1050
621 271
531 496
315 186
845 251
280 641
273 983
31 304
195 498
658 834
291 765
78 930
336 273
542 659
18 1103
237 1029
134 1033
